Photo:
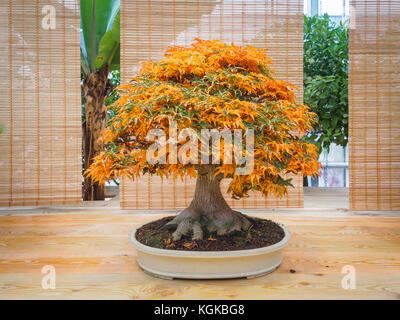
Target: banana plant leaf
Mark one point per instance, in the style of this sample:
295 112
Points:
97 18
108 53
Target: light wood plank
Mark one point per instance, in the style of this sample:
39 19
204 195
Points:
94 259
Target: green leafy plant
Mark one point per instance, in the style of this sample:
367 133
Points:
326 79
115 78
100 56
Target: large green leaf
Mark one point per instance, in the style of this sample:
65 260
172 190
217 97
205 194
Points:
97 17
109 47
115 62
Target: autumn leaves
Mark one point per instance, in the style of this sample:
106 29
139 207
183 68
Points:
209 86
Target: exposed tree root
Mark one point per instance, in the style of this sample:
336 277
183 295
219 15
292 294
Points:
189 222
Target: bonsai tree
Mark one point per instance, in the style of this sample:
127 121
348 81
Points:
209 87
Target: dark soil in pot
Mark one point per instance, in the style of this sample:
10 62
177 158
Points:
262 233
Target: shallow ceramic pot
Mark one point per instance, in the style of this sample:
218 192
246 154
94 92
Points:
169 264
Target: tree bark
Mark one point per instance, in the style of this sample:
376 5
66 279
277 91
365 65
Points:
96 87
208 210
305 181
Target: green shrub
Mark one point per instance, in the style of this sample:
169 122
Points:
325 79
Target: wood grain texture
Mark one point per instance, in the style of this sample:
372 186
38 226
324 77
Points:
94 260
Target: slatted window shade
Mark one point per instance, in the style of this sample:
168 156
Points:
374 102
148 27
40 148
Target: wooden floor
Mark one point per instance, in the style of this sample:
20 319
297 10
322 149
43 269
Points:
93 259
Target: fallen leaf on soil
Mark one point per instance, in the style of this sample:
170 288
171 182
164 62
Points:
190 245
211 239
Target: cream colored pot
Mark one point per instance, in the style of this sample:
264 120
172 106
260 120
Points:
181 264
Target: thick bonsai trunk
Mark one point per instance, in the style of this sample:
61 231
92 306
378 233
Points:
96 87
208 210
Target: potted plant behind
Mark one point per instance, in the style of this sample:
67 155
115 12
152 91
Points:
169 121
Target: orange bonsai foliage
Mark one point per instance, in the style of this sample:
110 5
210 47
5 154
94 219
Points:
210 85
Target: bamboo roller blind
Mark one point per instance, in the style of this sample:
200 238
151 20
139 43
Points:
374 102
40 148
148 27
